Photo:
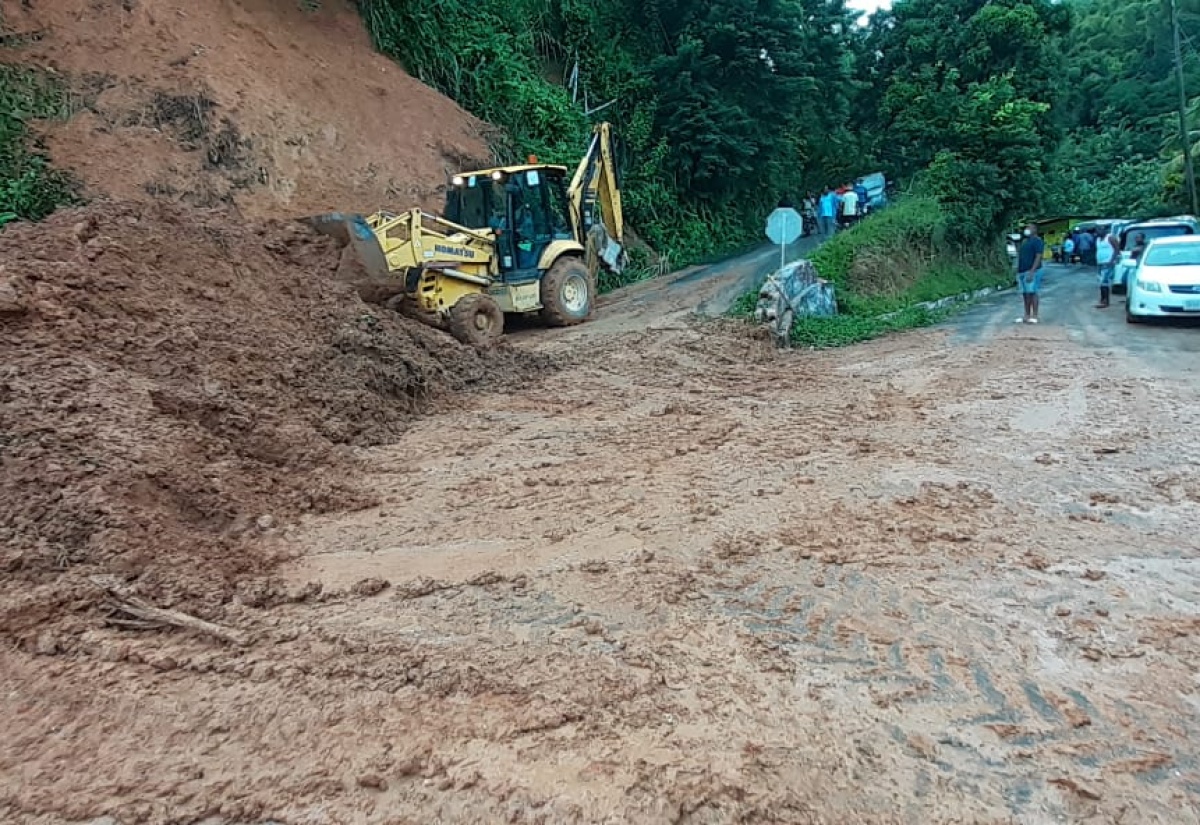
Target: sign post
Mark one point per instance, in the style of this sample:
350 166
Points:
784 227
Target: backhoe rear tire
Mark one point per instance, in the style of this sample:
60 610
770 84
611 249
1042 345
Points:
477 320
568 294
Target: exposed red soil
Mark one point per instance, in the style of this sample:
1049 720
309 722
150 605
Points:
257 103
173 381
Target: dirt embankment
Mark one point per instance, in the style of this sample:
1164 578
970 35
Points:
175 384
254 103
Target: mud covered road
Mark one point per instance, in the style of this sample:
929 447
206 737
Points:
948 576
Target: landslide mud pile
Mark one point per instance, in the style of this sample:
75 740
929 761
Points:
282 108
174 383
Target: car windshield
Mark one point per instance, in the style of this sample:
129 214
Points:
1174 255
1152 232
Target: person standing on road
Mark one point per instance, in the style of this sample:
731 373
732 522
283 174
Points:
1085 248
810 214
1106 262
863 197
1029 273
827 217
850 207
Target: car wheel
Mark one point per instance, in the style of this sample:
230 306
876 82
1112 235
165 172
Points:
1130 318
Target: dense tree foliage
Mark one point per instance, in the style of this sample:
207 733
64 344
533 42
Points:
995 109
723 105
1119 107
727 104
963 97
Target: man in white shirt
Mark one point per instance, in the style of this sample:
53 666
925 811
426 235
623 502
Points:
1106 260
850 206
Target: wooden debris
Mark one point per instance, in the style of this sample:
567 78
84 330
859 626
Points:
145 615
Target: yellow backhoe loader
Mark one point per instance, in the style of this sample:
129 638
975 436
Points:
513 239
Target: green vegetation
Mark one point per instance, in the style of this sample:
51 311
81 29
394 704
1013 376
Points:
725 106
29 187
960 100
843 330
1121 153
904 256
984 111
887 267
715 100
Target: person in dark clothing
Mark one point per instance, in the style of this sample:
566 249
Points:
1085 248
859 189
1139 246
809 213
1029 273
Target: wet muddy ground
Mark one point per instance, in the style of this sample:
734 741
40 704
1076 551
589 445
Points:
949 576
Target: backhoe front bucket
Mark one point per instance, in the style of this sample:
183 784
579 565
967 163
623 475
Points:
353 230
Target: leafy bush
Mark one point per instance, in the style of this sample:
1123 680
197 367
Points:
886 251
29 187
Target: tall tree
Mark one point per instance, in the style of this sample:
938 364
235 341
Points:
965 90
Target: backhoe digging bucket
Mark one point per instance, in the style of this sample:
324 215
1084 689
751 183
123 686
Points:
353 230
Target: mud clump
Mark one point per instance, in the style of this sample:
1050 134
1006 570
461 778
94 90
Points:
175 383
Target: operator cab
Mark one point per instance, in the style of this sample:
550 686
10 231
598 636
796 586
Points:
526 206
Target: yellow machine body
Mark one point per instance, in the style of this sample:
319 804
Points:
490 251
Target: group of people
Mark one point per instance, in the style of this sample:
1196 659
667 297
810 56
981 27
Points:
834 208
1092 247
1080 246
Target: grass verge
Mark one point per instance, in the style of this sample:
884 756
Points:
886 270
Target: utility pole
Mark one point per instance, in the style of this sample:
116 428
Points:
1189 172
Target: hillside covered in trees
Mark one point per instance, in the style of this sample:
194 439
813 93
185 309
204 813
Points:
996 110
999 109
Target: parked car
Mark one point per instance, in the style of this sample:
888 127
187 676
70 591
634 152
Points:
1166 280
876 186
1153 229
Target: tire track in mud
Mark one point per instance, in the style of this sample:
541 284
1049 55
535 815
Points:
976 715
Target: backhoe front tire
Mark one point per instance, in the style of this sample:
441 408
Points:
568 293
477 320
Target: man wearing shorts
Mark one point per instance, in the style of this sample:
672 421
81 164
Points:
1106 259
1029 273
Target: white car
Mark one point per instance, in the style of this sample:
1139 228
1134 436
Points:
1166 281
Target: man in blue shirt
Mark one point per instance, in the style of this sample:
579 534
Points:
1029 273
1085 248
827 212
863 197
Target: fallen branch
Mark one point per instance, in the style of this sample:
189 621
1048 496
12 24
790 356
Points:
149 616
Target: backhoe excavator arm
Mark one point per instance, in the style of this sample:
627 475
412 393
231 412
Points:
595 184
